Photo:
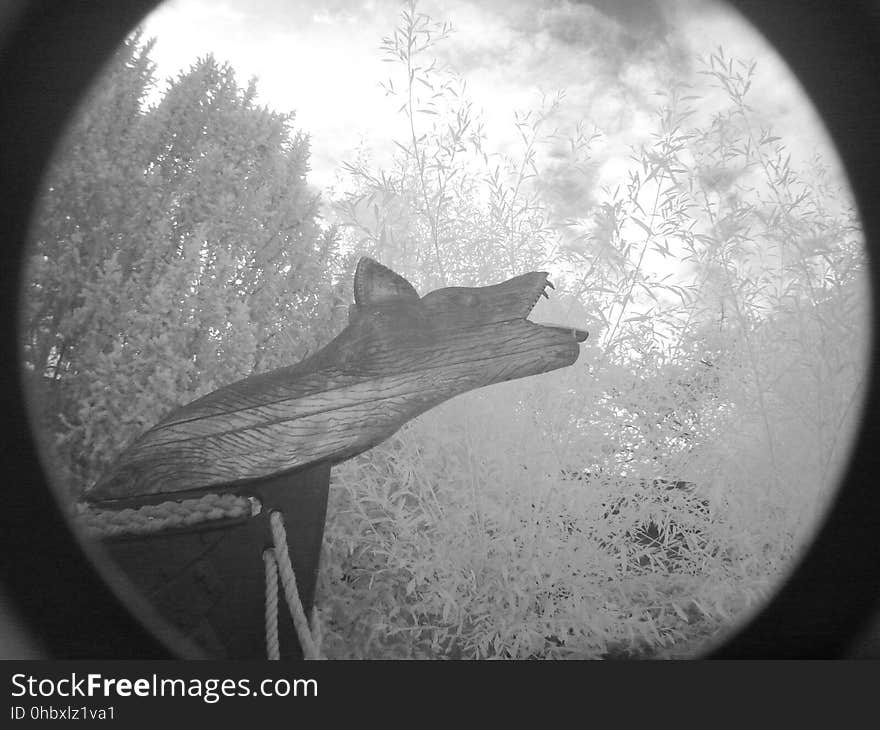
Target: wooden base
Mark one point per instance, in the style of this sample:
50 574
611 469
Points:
208 582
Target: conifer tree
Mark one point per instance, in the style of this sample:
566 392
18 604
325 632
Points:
177 250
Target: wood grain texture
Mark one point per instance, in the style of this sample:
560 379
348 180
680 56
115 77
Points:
399 356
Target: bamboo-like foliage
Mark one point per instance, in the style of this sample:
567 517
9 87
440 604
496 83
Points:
640 502
447 212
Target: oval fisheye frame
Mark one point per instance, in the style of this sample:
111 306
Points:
50 52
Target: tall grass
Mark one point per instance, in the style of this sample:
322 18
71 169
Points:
725 294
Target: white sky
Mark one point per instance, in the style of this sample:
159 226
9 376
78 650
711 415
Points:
322 60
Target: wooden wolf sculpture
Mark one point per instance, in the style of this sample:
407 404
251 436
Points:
271 439
400 355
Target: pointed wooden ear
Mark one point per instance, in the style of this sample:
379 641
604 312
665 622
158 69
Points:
376 284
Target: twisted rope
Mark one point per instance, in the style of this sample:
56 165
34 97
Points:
277 562
100 523
272 646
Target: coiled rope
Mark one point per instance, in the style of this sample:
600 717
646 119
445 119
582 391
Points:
103 523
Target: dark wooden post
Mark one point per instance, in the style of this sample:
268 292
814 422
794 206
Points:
209 582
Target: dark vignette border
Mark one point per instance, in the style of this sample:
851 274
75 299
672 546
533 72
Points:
50 51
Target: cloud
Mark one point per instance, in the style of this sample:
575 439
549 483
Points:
322 60
568 190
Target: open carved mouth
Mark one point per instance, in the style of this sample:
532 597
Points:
578 334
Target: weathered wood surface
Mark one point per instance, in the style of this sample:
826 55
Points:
400 355
209 582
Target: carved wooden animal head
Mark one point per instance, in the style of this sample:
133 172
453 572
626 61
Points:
400 355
